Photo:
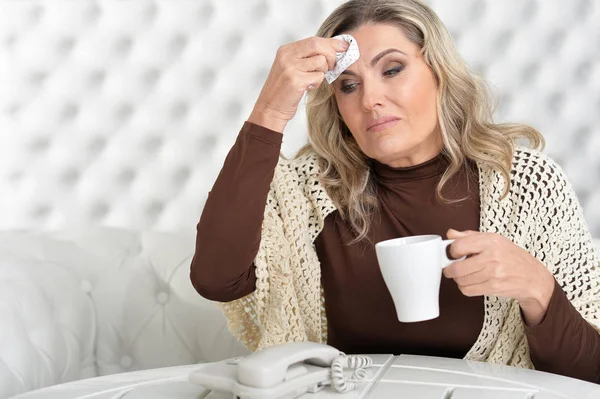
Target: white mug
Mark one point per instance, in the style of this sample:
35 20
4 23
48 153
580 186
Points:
412 271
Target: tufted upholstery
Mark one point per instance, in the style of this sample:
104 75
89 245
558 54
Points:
95 301
87 302
121 112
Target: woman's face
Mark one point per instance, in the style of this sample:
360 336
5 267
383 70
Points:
388 98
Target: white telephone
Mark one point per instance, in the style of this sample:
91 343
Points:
282 371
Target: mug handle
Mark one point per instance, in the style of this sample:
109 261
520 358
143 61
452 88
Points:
445 260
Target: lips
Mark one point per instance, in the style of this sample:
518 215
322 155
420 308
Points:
382 123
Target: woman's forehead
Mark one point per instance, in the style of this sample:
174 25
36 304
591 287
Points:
376 39
373 38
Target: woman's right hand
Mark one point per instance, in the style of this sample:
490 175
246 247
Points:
298 66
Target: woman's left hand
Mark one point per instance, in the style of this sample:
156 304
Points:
497 266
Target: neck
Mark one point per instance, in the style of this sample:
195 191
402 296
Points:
426 151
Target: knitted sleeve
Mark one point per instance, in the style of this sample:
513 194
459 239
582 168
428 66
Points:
564 242
287 305
569 343
542 215
265 309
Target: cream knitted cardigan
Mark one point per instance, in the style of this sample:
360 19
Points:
540 214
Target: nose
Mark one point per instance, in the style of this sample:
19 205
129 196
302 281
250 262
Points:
372 96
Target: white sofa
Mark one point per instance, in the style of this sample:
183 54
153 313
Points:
96 301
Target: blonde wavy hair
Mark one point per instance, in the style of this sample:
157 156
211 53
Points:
464 110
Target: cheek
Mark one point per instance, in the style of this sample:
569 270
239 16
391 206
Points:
419 96
352 117
349 113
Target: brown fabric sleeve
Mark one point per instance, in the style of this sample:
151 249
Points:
564 342
228 233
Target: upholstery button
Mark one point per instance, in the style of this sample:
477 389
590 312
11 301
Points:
96 78
38 78
123 112
126 361
208 142
234 108
152 143
261 10
179 110
86 286
205 13
151 76
234 360
69 112
123 45
181 175
41 212
96 144
13 109
178 43
69 177
150 12
39 144
234 42
92 13
98 210
207 78
261 76
162 298
153 209
10 41
126 176
35 14
65 45
16 176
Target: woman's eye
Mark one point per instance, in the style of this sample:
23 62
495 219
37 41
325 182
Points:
348 87
393 71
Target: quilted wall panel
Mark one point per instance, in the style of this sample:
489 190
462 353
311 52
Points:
121 113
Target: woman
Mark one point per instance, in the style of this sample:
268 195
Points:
401 144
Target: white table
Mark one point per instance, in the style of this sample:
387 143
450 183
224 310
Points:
390 377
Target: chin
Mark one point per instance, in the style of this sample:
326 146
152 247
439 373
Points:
388 149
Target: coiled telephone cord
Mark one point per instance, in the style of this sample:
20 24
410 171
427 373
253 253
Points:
357 362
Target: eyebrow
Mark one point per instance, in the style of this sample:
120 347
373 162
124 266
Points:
377 58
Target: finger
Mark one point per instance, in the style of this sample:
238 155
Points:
475 289
469 245
340 45
453 234
461 268
479 277
313 79
312 64
320 46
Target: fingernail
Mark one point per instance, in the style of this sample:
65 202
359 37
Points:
456 232
343 44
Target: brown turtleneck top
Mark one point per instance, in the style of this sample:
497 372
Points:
360 312
356 298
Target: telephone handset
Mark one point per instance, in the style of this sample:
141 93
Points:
282 371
